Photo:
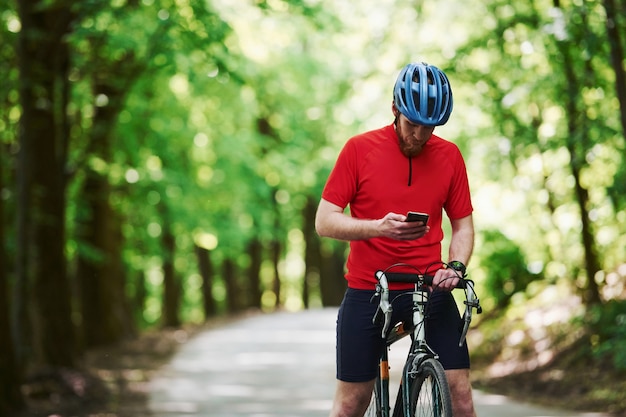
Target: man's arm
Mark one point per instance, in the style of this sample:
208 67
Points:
331 221
462 240
461 248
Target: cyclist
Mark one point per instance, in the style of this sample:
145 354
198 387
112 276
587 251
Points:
381 175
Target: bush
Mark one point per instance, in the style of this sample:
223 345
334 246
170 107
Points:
607 324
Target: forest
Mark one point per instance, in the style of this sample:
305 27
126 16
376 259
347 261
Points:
161 162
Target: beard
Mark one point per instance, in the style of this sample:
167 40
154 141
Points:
410 145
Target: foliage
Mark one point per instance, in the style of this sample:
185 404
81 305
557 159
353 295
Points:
609 332
550 136
505 267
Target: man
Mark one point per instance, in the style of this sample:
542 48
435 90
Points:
381 175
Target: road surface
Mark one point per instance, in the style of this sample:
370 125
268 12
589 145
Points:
275 365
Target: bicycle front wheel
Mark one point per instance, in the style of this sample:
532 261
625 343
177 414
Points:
430 394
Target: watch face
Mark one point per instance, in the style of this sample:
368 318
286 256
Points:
457 266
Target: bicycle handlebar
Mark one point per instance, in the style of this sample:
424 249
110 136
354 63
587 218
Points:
385 308
414 278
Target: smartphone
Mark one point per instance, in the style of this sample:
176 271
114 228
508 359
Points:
413 216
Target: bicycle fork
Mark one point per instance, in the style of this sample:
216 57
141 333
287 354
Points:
419 352
383 384
402 403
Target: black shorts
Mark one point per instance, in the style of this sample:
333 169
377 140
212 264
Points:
359 342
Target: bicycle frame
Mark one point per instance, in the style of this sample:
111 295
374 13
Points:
418 352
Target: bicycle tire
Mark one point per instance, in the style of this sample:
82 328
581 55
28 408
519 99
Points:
430 394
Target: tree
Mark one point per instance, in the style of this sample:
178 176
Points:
10 396
614 20
207 273
41 279
111 69
552 125
617 56
171 281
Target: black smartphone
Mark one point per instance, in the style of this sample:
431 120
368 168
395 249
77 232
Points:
414 216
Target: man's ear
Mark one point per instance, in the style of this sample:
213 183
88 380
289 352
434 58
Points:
394 109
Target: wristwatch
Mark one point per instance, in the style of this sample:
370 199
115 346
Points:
457 266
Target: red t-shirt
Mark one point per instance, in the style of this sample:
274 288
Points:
373 177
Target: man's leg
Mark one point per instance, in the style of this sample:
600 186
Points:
358 348
461 391
352 398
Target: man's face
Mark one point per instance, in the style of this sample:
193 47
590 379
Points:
411 137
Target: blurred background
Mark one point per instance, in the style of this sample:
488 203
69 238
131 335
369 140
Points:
161 162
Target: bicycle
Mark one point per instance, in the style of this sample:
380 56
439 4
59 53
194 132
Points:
423 387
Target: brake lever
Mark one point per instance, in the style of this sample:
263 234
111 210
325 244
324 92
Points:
467 319
384 307
471 302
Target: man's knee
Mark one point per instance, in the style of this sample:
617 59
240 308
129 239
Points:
461 391
352 398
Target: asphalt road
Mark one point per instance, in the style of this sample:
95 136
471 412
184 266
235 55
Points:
277 365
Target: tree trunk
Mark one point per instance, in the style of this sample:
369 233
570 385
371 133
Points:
41 267
105 311
120 311
140 295
205 267
617 57
10 396
312 255
577 137
229 276
171 285
99 231
332 282
255 251
276 249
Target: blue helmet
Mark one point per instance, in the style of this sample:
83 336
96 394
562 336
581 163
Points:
422 93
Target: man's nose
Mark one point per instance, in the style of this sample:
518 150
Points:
422 131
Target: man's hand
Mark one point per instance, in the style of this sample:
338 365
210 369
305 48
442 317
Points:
395 226
446 279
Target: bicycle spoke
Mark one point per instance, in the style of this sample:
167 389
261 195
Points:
430 396
428 402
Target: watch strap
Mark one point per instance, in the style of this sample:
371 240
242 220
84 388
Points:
457 266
